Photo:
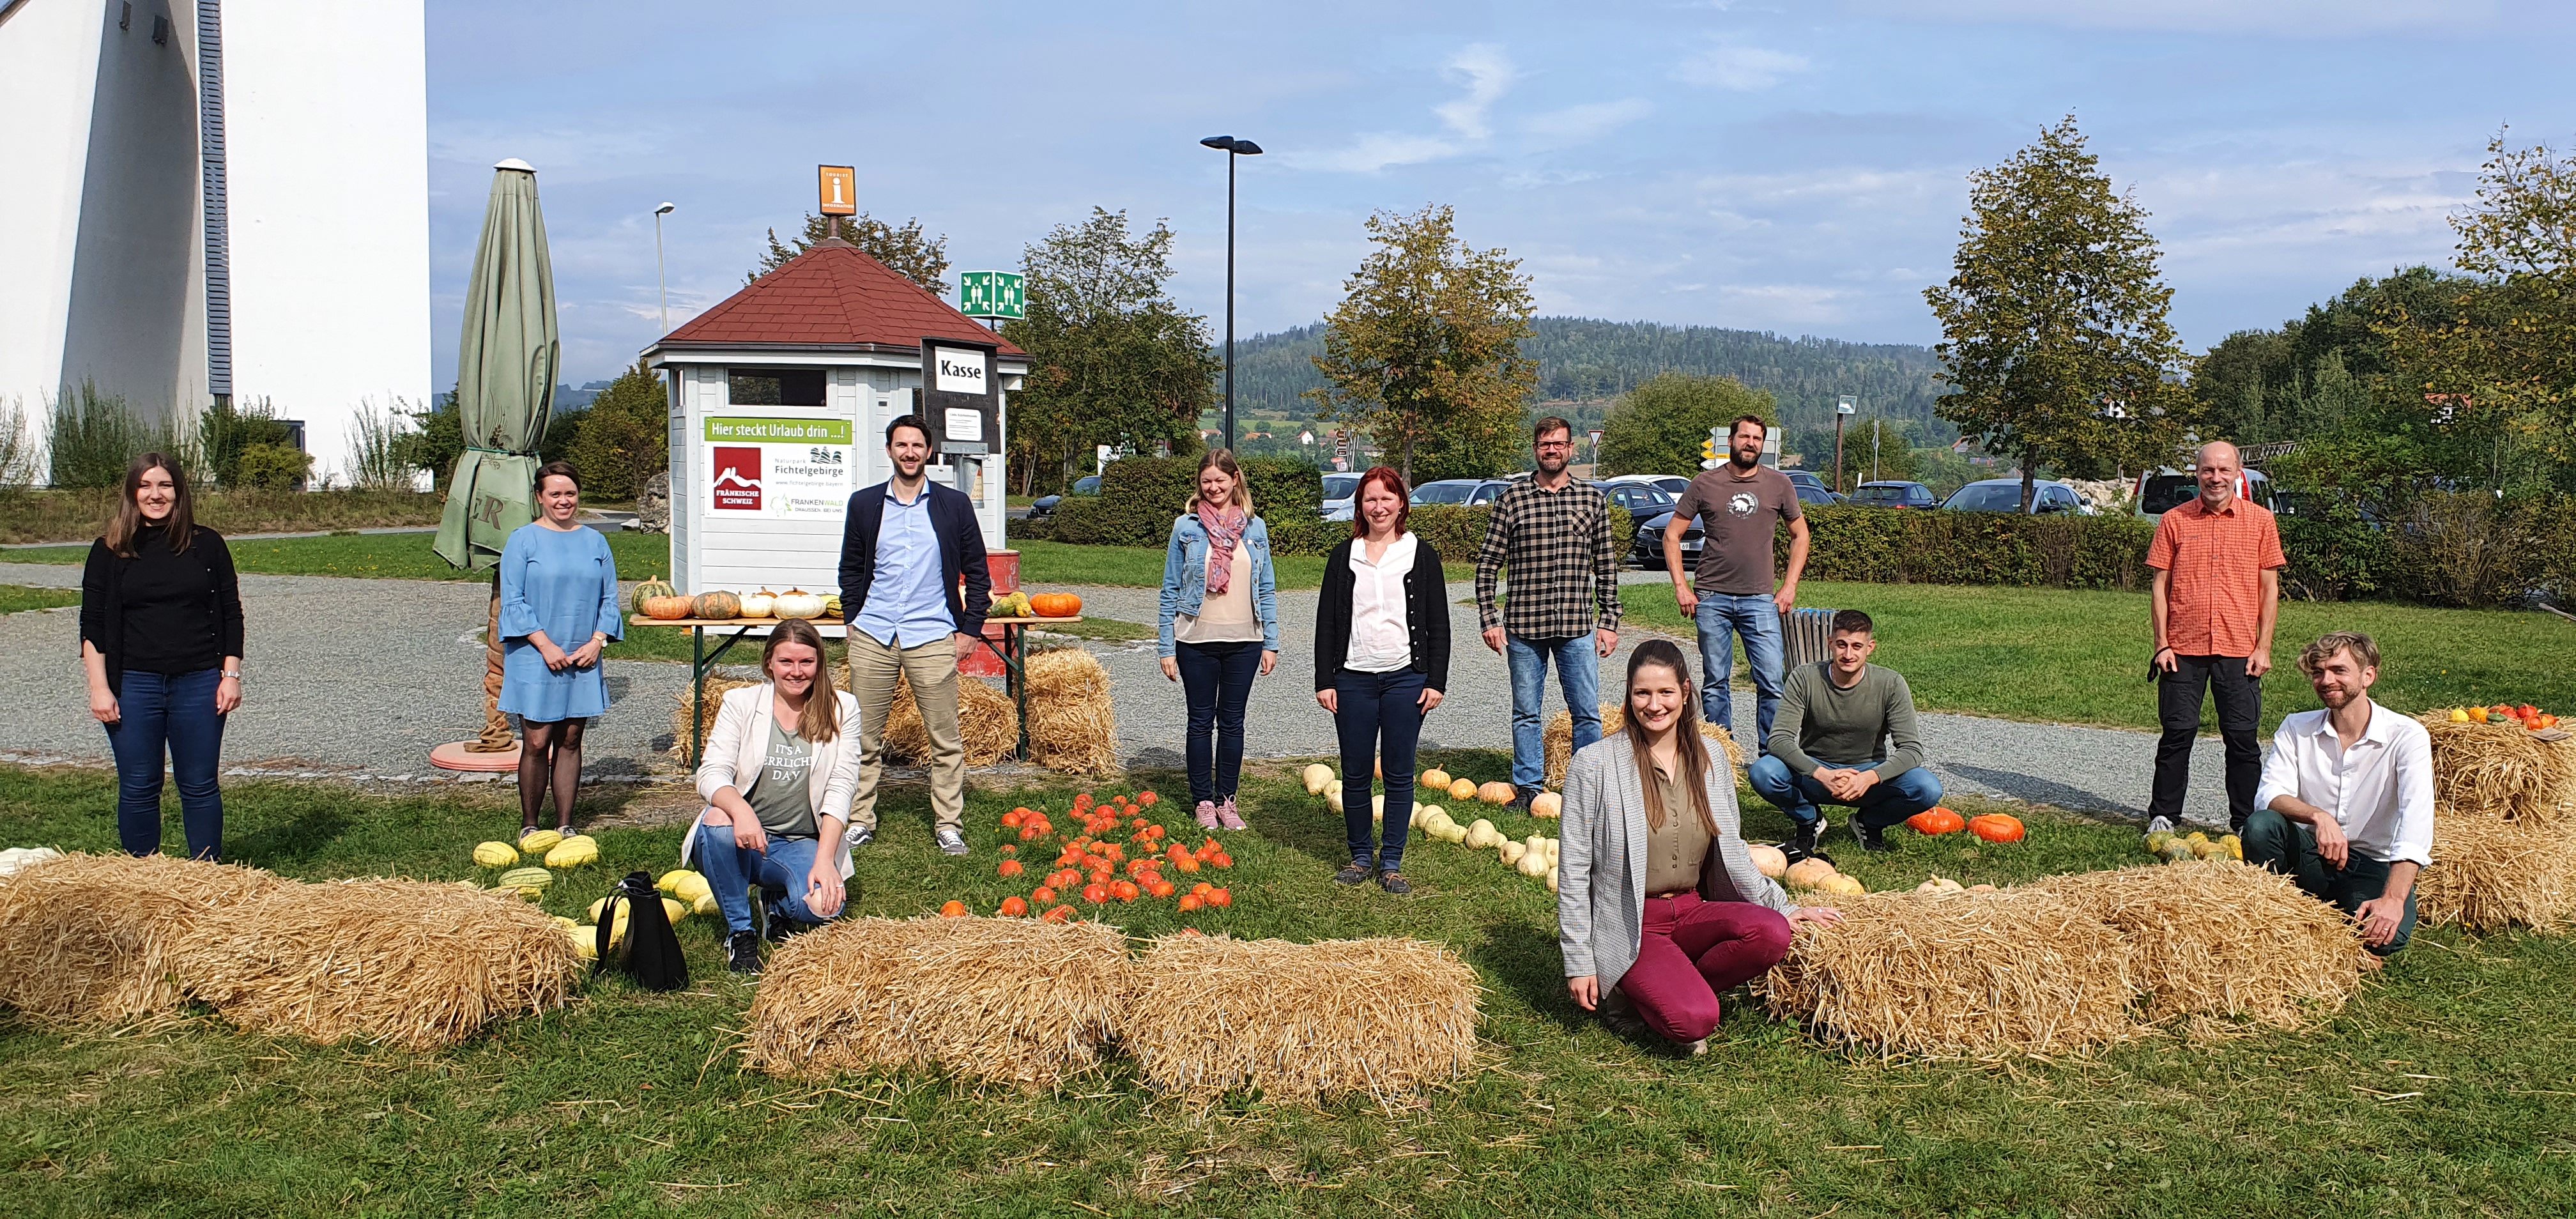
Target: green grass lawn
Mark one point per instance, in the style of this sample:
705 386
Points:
15 598
2074 657
2444 1090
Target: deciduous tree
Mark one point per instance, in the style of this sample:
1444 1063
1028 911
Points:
906 249
1424 350
2055 319
1657 427
1113 359
625 437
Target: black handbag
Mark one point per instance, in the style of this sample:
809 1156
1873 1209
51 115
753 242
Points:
650 953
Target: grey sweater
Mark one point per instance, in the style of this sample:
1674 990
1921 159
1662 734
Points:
1821 724
1601 860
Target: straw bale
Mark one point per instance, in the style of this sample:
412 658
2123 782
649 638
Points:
413 964
1016 1001
2489 874
1558 740
1303 1023
2502 771
717 687
1072 726
2215 943
92 937
1957 975
988 718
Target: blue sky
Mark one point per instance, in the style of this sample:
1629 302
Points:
1789 167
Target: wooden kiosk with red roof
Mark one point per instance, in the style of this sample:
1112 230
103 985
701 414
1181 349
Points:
780 397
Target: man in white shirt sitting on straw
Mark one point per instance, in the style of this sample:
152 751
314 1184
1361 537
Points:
2346 802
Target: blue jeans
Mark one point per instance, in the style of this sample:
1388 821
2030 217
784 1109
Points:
177 714
780 872
1757 618
1380 722
1217 679
1887 801
1578 674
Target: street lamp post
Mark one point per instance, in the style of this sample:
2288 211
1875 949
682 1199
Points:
661 280
1232 148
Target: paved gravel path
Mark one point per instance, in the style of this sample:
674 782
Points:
341 675
366 676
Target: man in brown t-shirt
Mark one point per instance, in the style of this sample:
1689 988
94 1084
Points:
1738 506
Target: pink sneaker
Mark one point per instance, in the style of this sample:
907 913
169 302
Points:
1227 817
1206 814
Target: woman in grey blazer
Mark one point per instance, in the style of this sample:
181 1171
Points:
1658 906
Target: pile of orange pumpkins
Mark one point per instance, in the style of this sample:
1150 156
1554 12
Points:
1993 827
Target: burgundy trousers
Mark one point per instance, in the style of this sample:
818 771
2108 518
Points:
1693 949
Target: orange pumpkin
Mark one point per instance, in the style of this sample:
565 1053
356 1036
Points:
1936 820
1996 827
952 909
1014 907
1055 605
668 609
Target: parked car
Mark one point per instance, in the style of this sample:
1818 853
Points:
1670 484
2165 488
1044 506
1817 496
1646 549
1640 499
1807 478
1340 492
2004 495
1895 495
1461 491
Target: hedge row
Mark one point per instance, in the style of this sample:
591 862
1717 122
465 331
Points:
1458 532
1882 546
1140 496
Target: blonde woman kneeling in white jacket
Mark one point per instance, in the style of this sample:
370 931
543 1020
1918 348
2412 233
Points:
778 777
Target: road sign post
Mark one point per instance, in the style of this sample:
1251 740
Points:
1842 411
991 296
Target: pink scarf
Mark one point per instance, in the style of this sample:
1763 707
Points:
1224 530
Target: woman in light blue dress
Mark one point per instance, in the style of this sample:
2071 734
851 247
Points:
558 585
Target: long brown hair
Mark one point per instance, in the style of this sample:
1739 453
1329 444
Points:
822 718
1690 752
1223 459
128 522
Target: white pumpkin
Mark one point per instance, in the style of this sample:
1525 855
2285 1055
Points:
1770 861
759 604
797 603
1511 851
1482 834
1317 775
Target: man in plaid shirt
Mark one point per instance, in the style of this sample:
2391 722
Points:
1554 535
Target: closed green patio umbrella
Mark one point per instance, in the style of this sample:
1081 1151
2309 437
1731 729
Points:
506 362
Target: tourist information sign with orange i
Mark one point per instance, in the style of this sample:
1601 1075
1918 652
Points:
839 187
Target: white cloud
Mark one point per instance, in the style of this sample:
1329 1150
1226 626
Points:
1586 123
1487 72
1377 150
1749 69
2308 18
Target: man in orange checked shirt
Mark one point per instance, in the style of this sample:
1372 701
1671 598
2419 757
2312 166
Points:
2217 590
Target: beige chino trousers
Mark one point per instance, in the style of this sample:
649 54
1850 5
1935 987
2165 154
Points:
932 670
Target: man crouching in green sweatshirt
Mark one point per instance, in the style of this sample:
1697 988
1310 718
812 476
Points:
1829 745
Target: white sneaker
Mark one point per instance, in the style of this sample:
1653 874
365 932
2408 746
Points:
2159 825
859 836
952 842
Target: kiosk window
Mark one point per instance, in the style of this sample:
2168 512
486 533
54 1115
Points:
774 387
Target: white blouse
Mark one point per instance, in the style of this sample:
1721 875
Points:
1381 640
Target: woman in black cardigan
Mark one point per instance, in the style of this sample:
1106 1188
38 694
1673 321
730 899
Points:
161 640
1381 661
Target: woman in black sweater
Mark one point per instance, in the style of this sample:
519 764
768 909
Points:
1381 661
161 640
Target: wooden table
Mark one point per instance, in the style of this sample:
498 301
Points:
1012 649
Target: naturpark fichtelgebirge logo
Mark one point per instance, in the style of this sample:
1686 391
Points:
737 478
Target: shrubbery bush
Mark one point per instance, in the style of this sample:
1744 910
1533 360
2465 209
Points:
1139 497
1884 546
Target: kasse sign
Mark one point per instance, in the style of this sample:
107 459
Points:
961 398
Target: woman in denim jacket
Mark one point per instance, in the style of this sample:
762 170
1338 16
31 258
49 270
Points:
1220 625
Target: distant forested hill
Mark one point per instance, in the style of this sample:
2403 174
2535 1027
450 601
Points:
1582 359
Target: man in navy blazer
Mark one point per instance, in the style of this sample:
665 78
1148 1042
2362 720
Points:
908 546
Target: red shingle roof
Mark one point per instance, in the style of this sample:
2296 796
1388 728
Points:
832 295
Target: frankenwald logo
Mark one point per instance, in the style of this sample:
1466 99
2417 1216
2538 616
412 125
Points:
737 477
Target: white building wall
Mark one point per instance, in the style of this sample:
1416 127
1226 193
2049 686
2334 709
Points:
328 153
48 79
